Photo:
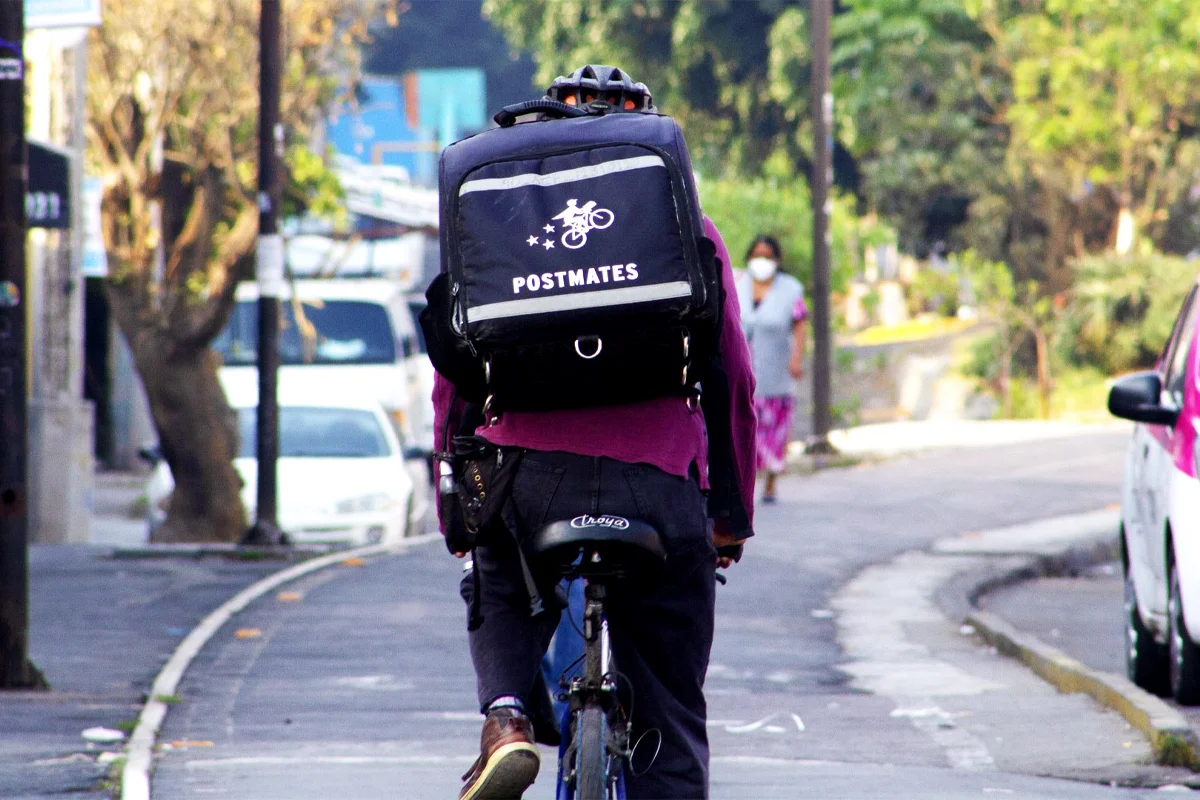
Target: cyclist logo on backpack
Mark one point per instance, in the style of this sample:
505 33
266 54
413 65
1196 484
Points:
578 220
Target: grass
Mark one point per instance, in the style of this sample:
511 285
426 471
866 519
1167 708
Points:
923 327
169 699
1080 395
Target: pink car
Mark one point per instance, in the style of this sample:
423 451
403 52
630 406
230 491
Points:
1160 516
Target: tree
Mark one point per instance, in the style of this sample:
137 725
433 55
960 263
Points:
708 63
908 78
1103 111
1016 308
172 131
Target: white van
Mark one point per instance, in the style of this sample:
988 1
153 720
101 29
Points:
356 333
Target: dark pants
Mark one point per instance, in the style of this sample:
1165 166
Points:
661 634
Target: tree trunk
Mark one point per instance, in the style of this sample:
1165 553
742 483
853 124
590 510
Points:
1043 372
1004 377
1125 231
198 431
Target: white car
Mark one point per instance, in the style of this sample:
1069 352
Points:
354 332
342 475
1160 515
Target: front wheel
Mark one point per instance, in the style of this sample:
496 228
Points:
1185 655
1145 659
591 756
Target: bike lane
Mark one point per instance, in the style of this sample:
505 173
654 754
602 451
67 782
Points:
355 681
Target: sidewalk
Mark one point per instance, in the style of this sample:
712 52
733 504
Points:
100 629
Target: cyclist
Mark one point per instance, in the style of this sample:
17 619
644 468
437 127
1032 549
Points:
645 460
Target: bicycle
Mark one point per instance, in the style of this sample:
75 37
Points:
596 737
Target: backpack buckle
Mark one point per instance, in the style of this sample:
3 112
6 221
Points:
599 346
488 419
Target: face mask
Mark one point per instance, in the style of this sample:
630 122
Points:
762 269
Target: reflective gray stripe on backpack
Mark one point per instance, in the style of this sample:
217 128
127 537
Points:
560 177
573 302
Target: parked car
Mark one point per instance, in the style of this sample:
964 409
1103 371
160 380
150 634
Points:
355 333
343 476
1160 515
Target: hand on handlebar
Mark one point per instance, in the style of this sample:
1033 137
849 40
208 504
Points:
729 550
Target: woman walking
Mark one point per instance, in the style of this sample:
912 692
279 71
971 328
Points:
773 315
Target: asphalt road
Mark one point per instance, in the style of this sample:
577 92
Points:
357 683
1082 616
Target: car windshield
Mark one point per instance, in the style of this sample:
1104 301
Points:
310 432
329 332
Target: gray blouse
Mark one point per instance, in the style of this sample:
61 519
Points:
769 330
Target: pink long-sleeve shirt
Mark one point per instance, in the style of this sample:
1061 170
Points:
662 431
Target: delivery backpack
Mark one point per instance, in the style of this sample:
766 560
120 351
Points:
575 270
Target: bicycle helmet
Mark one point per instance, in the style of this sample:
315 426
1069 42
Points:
604 83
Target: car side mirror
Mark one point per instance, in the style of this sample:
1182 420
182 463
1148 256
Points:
151 454
1138 397
414 454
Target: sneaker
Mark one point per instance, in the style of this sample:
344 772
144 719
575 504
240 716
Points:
508 762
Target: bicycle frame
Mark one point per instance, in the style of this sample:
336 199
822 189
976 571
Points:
595 689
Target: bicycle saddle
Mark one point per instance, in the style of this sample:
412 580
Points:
608 543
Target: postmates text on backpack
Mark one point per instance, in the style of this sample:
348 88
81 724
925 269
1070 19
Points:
575 270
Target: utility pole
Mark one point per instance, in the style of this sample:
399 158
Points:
269 268
822 178
15 670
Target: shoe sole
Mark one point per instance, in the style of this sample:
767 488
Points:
508 773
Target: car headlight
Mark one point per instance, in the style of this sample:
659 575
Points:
377 501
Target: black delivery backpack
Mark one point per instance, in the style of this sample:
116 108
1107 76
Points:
575 270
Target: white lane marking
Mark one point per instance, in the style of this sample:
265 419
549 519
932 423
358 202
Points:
750 727
379 683
135 778
737 726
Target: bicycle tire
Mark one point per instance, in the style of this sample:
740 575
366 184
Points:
591 756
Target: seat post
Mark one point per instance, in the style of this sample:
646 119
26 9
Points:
593 621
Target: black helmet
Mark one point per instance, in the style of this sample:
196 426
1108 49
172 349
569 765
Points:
599 82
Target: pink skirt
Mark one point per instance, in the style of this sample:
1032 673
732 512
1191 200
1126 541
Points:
774 431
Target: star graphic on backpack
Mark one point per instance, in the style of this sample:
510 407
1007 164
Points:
549 245
532 240
549 229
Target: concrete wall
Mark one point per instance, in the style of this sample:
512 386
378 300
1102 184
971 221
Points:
905 380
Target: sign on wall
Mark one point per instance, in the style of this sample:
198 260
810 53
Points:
47 199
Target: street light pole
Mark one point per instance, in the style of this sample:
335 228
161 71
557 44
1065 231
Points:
270 274
15 670
822 178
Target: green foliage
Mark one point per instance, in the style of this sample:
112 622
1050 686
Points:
312 186
1101 98
934 291
709 63
909 77
1121 310
743 209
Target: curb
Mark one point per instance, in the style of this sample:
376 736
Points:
139 754
1171 738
